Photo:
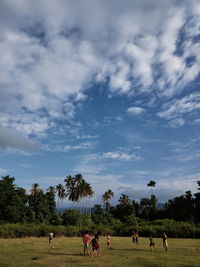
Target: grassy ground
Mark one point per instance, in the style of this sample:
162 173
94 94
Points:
68 252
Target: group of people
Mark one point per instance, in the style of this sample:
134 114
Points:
94 243
96 248
152 243
135 239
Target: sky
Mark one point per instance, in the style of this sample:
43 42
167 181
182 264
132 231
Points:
108 89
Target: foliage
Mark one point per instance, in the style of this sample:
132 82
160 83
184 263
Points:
106 199
72 217
155 228
12 200
179 218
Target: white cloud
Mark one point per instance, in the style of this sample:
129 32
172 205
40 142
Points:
66 148
175 109
120 156
135 111
52 54
176 123
184 152
88 136
13 141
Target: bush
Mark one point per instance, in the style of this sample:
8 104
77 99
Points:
72 217
154 228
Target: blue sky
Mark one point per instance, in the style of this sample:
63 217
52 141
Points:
109 89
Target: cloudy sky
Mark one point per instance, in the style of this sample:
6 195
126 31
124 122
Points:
109 89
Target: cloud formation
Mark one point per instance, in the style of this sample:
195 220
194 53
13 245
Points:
13 141
54 51
135 111
176 109
120 156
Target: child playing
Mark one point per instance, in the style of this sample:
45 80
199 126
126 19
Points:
165 244
137 237
95 246
51 239
133 236
108 240
86 242
152 243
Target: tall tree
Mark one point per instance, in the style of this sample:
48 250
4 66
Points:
87 192
125 209
50 195
151 184
13 200
77 188
59 189
38 205
106 197
35 189
71 192
124 200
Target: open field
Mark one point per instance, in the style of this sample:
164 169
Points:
68 252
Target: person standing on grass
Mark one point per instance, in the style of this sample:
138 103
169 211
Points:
152 243
165 244
51 235
86 242
108 239
137 237
133 236
95 246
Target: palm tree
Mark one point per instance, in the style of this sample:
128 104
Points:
35 189
85 190
69 180
77 188
73 187
51 189
151 184
106 198
124 200
59 189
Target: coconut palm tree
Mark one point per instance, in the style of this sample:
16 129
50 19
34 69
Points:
69 181
73 187
59 189
77 188
51 189
124 200
106 198
85 190
151 184
35 189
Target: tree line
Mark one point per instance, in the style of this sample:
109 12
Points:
39 206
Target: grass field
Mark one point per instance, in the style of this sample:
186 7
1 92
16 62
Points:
68 252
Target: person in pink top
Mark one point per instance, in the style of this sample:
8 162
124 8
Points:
86 242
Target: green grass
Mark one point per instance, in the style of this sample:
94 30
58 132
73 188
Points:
68 252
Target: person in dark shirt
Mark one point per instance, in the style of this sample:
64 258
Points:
152 243
95 246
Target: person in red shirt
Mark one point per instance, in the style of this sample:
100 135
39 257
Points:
86 242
